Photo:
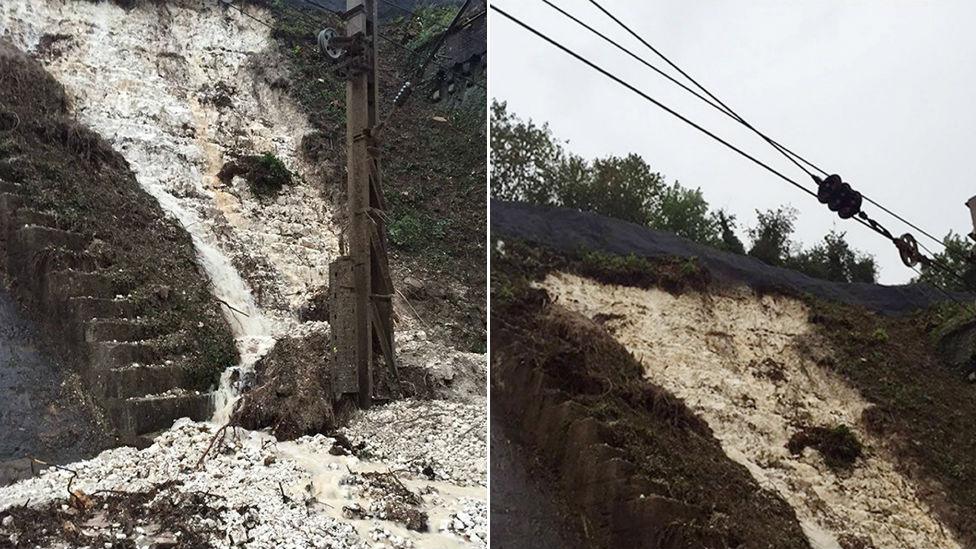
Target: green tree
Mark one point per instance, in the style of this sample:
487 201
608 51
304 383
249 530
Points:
685 212
959 257
771 237
619 187
729 240
835 260
524 159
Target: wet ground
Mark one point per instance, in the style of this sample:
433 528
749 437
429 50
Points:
524 514
41 412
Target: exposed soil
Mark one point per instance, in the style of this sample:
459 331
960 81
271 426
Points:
584 390
526 511
78 178
292 390
923 404
45 412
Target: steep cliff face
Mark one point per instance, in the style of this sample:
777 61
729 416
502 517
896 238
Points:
751 367
180 89
851 419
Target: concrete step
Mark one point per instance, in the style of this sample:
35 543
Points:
62 259
9 204
138 381
89 308
30 216
104 355
119 330
140 415
71 283
36 237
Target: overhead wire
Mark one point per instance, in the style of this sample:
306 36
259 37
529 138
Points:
647 97
863 219
794 157
714 103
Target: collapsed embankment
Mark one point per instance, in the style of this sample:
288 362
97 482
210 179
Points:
133 315
180 89
851 417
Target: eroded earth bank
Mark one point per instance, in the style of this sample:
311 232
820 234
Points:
676 406
174 287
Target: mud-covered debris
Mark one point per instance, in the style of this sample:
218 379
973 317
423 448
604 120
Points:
390 499
838 445
412 434
123 518
470 523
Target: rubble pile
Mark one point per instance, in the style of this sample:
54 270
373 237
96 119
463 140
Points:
234 486
471 522
438 440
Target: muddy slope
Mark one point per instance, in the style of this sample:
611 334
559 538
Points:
898 381
751 367
632 465
569 231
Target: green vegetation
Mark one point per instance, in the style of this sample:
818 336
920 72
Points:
268 175
426 25
434 163
958 256
838 445
414 231
915 376
76 177
529 164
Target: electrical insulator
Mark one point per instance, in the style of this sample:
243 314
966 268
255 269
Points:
839 197
403 94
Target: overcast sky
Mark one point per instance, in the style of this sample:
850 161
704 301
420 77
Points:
882 92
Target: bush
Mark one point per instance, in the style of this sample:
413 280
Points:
838 445
266 174
413 231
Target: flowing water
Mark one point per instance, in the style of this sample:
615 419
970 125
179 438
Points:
141 78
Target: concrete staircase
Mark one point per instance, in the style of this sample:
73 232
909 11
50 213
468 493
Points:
133 366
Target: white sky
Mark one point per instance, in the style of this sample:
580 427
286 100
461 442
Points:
879 91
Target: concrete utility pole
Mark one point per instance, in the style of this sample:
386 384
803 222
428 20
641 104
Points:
361 287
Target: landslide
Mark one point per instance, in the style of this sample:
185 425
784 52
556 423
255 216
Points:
923 403
75 176
630 459
906 350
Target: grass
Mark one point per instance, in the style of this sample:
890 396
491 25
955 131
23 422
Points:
838 445
672 274
923 406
